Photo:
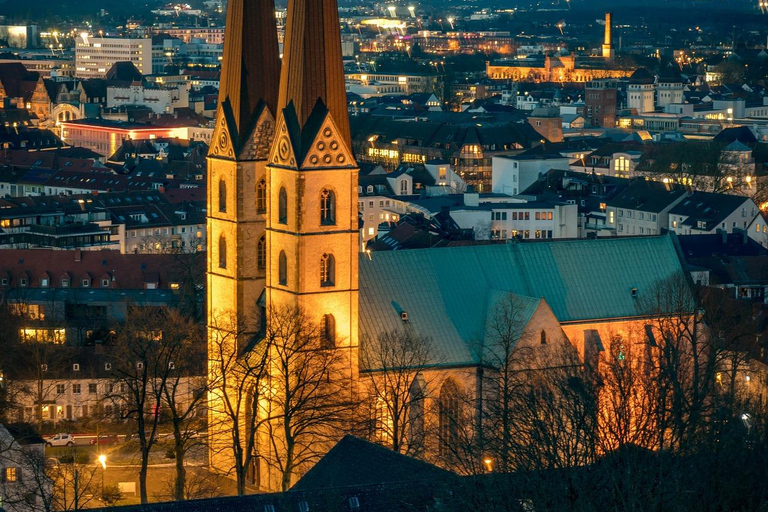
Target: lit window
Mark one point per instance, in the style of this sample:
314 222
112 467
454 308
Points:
10 474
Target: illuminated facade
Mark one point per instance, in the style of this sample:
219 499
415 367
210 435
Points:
94 56
105 137
237 193
312 179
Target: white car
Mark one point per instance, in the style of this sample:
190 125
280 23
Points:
61 440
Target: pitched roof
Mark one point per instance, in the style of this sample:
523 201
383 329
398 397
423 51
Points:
355 462
708 207
127 271
447 292
648 196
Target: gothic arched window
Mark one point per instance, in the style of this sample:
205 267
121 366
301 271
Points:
261 196
327 270
329 331
282 206
327 207
222 196
222 252
449 418
416 394
282 270
261 253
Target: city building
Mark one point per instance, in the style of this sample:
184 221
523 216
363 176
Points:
513 174
94 56
24 483
78 384
295 195
641 91
708 213
644 207
376 84
70 297
600 99
105 137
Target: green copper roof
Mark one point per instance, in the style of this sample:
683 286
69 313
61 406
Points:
446 292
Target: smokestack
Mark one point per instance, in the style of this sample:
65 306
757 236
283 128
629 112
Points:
608 39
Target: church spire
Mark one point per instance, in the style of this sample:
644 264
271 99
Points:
250 65
312 64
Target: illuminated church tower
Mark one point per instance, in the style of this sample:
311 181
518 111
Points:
312 178
237 181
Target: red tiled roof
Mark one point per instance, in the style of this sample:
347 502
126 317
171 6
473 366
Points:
127 271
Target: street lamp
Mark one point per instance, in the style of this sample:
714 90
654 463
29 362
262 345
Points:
103 460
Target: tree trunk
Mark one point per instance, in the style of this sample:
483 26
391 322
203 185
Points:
143 475
181 472
288 471
179 453
240 473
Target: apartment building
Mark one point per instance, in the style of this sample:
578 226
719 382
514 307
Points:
94 56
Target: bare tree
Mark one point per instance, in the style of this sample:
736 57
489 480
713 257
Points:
684 362
75 482
184 393
395 365
237 383
308 401
148 346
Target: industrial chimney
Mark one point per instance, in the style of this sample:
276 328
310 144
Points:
608 43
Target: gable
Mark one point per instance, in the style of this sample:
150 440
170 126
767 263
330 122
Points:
328 149
259 141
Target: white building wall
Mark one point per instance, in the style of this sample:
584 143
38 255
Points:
95 55
510 175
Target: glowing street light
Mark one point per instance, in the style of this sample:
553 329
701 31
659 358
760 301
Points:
450 20
103 460
392 10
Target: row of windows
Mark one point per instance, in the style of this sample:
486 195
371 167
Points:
93 388
327 203
640 215
497 234
65 282
327 267
522 215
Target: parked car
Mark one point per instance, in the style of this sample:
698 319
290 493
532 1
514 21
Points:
105 439
61 440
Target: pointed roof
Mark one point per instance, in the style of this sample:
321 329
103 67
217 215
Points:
251 64
312 63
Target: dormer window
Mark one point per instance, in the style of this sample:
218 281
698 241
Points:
64 282
86 283
369 189
105 283
23 282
